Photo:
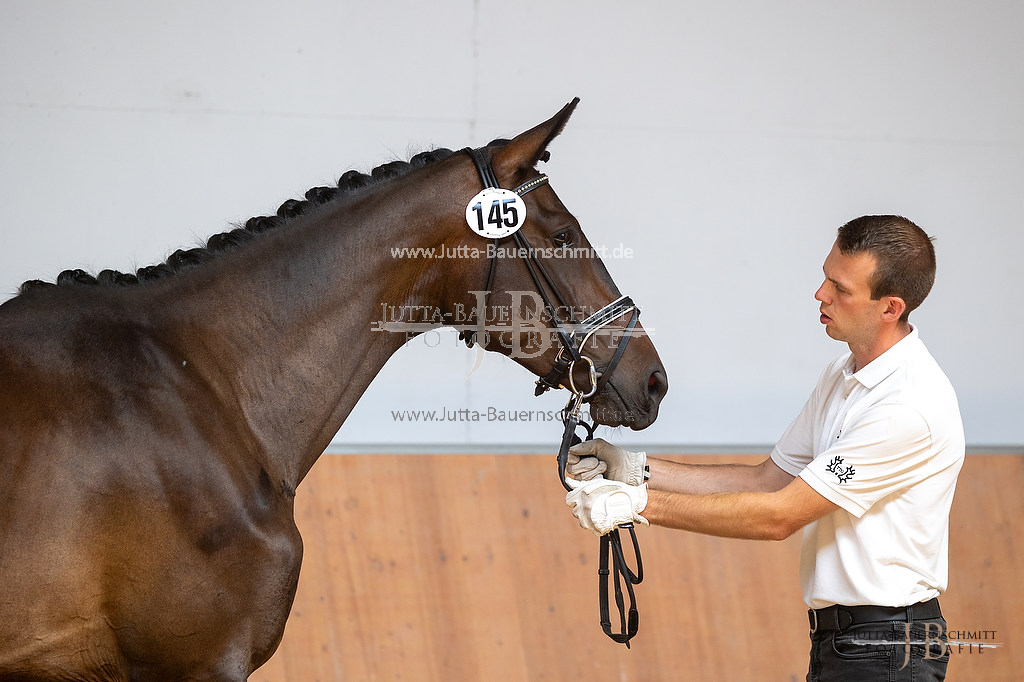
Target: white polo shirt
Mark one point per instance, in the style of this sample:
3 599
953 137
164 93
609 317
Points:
885 444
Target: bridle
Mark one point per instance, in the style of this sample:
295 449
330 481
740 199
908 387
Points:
573 338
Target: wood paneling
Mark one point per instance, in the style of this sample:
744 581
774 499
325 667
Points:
470 567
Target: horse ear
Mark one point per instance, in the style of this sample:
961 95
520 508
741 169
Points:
523 152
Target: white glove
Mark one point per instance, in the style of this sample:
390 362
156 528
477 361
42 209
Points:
601 505
612 462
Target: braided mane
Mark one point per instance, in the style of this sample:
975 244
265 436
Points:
184 259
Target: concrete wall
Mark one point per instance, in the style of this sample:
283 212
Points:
735 138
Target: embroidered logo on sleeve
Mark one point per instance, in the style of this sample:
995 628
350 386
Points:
843 473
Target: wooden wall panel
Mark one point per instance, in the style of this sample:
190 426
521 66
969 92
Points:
470 567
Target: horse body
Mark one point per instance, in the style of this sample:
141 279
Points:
135 533
158 437
152 437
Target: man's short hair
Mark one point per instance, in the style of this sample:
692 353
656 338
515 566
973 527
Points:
904 256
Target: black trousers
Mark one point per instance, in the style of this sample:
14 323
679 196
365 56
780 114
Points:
887 650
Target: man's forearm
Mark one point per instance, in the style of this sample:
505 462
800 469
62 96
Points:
746 515
749 515
703 479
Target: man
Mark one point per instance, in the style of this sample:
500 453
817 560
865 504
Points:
867 469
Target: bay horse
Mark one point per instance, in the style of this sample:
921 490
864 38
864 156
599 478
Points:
154 427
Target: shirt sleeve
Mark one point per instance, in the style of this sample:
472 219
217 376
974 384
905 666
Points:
795 448
882 451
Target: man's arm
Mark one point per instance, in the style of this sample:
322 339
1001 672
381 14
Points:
700 479
598 457
749 515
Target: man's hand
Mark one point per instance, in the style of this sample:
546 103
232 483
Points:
598 457
601 505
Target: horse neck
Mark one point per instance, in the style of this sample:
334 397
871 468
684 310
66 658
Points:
285 326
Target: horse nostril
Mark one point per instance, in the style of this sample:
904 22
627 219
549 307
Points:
657 385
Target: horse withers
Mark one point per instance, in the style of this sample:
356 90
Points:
154 426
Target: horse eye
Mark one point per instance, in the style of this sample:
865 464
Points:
563 238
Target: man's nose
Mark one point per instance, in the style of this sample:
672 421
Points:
819 295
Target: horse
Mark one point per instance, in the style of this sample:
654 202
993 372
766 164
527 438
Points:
154 427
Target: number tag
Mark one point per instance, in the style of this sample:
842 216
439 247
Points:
495 213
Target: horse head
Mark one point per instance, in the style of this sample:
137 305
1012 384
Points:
543 286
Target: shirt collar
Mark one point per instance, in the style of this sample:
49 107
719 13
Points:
886 363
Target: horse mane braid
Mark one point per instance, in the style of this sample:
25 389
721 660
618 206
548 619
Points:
185 259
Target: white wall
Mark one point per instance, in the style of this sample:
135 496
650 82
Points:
735 137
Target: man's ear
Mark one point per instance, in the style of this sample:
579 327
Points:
521 155
894 309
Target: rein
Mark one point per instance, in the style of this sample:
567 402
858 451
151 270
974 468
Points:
573 339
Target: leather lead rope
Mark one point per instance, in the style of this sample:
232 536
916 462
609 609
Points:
610 547
620 573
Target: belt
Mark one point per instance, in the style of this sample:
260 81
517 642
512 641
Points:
839 617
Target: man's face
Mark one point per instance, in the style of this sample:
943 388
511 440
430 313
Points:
847 309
